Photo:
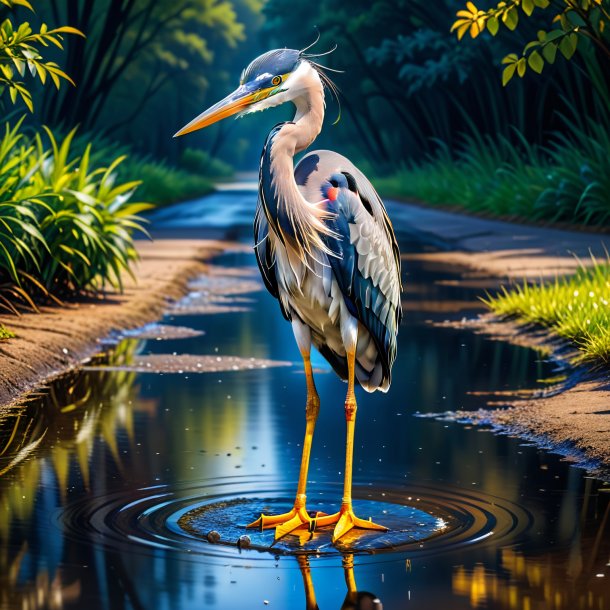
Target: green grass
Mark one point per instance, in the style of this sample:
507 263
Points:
5 333
568 180
576 308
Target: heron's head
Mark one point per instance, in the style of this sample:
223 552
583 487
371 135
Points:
272 79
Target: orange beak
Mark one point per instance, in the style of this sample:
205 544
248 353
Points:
232 104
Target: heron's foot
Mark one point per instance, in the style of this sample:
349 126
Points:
345 520
298 518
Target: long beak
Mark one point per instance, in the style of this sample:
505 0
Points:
230 105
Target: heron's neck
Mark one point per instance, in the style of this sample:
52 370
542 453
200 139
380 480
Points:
309 115
288 212
295 136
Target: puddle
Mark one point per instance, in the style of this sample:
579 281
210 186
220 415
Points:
113 477
160 332
188 363
210 517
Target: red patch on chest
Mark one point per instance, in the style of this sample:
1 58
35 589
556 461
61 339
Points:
333 193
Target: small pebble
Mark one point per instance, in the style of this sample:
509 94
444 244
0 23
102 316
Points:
244 541
213 536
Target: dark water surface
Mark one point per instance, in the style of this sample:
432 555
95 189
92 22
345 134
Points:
111 479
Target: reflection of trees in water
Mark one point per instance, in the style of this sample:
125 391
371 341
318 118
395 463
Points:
565 579
56 428
61 424
42 592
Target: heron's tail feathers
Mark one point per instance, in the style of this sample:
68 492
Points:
371 380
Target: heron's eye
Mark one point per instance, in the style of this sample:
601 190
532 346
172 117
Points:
276 80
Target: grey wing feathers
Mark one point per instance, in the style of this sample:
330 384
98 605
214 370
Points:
315 167
367 267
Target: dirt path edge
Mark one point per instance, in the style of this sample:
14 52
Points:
58 339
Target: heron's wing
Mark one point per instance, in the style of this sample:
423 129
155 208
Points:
367 261
265 257
314 169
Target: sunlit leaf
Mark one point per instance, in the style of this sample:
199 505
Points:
527 6
535 62
508 73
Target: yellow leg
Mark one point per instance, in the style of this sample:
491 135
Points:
345 519
298 517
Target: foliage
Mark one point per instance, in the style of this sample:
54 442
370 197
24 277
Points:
576 308
569 22
424 58
407 83
568 180
20 52
163 184
149 52
65 226
202 163
5 333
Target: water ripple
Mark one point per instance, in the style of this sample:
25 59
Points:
422 519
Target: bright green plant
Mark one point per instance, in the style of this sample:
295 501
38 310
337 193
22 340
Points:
570 22
576 308
87 226
65 225
5 333
20 53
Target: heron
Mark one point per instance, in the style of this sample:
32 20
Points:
326 250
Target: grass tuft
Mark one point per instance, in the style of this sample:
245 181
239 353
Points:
5 333
576 308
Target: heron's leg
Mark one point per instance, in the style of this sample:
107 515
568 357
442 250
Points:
345 519
298 515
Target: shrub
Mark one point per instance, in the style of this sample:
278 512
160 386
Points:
163 184
201 162
569 180
65 226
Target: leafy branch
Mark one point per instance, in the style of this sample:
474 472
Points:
571 21
20 53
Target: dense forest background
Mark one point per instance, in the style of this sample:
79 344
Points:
409 86
501 109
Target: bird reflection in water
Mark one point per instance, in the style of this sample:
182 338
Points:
354 599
